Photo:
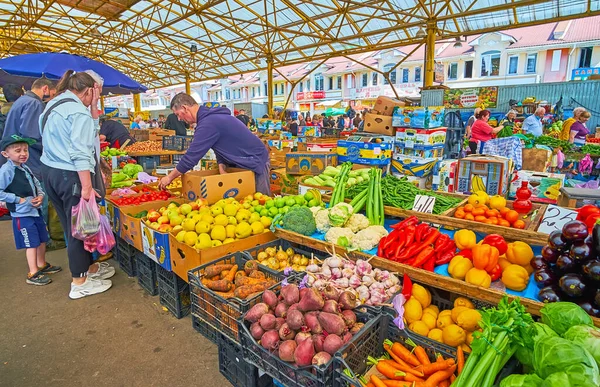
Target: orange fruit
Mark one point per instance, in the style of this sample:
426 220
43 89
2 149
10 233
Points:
512 216
459 213
493 220
504 210
492 213
484 207
519 224
480 218
478 212
469 216
487 221
503 222
468 207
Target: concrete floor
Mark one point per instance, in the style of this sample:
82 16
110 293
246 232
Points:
122 337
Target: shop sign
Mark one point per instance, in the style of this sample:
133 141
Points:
310 95
583 73
482 97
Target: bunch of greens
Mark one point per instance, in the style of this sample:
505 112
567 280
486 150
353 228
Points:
593 150
553 142
525 353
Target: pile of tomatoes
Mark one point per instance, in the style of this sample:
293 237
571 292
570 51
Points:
502 216
148 196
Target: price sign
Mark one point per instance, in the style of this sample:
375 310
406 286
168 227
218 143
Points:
424 203
555 218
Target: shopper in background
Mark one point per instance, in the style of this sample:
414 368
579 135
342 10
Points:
578 129
11 93
243 117
347 122
301 121
481 131
565 133
533 124
357 120
234 145
317 120
470 123
509 118
72 170
136 124
293 127
173 123
114 132
308 121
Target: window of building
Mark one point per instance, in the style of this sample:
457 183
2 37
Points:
319 82
453 71
468 69
585 57
417 74
350 81
531 63
283 89
490 63
392 75
555 66
253 93
266 88
330 86
404 75
308 85
339 82
365 79
301 87
375 79
227 94
513 65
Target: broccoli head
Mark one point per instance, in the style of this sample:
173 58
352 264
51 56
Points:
300 220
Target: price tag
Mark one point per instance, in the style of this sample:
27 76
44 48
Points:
555 218
424 203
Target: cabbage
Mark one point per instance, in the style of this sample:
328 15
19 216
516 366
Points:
525 354
587 337
555 354
563 379
560 316
521 381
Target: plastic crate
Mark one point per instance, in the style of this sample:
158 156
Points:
251 253
235 369
215 310
290 375
126 257
165 160
148 162
146 273
176 159
176 143
174 292
205 329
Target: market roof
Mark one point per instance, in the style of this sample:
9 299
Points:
161 42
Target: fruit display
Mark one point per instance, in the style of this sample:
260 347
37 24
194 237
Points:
175 184
145 197
145 147
109 152
329 177
569 268
282 259
229 281
494 210
127 176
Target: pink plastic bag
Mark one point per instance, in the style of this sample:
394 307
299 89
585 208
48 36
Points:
85 219
105 238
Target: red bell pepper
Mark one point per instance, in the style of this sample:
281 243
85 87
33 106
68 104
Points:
467 253
591 220
496 272
498 242
423 256
445 252
441 241
380 247
429 265
406 287
420 231
586 211
409 231
410 221
396 249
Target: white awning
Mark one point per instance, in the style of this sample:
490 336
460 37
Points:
329 103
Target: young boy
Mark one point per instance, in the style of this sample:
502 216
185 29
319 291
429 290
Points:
23 195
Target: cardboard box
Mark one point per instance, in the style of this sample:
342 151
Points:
419 117
386 105
212 186
444 176
413 166
421 182
310 163
309 131
303 188
421 139
535 159
380 124
422 153
185 258
366 148
490 174
545 187
130 229
322 145
277 157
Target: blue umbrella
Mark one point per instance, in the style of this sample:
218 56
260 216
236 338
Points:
24 69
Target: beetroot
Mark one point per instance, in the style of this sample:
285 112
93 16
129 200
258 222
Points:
293 307
311 301
304 353
256 331
332 344
270 340
256 312
348 300
295 320
279 323
281 310
285 333
349 318
332 323
290 294
321 358
302 336
270 298
286 350
312 322
356 327
347 337
331 293
331 306
303 291
267 322
318 341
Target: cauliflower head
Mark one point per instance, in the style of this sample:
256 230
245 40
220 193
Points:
369 237
357 222
339 214
322 220
335 233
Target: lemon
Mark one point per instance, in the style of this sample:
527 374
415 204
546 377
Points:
453 335
419 327
456 311
422 295
470 338
469 320
429 320
413 311
461 301
444 319
436 334
433 310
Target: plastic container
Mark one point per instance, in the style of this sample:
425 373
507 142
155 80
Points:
306 251
146 273
176 143
205 329
217 311
126 257
174 292
235 369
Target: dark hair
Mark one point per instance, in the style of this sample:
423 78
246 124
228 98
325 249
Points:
41 82
12 92
74 82
483 113
182 99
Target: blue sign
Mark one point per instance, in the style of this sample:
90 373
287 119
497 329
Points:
583 73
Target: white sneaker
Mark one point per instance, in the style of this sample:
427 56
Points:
105 271
90 287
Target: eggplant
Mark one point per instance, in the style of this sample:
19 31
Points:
581 252
572 285
544 277
565 264
597 298
590 308
591 270
557 242
549 294
538 262
596 237
575 231
549 254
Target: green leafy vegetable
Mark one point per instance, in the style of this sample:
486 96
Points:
586 336
555 354
117 177
563 379
540 332
521 381
560 316
300 220
132 170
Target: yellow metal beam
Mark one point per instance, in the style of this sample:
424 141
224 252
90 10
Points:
430 55
137 103
188 86
270 87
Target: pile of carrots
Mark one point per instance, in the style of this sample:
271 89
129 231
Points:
404 368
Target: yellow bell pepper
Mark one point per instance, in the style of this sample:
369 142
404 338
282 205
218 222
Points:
503 262
478 277
485 257
497 202
465 239
519 253
515 277
459 266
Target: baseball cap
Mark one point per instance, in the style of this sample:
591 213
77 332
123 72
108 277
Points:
14 139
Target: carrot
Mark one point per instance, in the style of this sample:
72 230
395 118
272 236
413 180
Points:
376 381
444 383
413 378
227 295
402 352
435 379
246 291
460 359
421 355
369 385
452 378
397 383
257 274
215 270
402 366
219 286
435 367
241 281
386 369
231 274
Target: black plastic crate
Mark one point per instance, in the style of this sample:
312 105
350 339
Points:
252 253
126 257
146 273
176 143
148 162
205 329
174 292
235 369
217 311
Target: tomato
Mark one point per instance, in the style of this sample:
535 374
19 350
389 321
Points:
512 216
586 211
519 224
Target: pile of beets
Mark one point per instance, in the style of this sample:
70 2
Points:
304 326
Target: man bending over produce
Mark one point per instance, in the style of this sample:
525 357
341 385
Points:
233 144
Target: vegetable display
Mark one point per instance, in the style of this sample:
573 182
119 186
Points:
554 143
145 147
229 281
591 149
339 190
145 197
494 210
329 175
282 259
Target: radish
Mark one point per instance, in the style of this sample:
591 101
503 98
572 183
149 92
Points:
332 344
332 323
270 340
304 353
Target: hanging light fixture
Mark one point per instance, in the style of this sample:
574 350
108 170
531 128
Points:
458 43
193 48
421 33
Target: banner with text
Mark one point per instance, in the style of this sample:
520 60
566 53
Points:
482 97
